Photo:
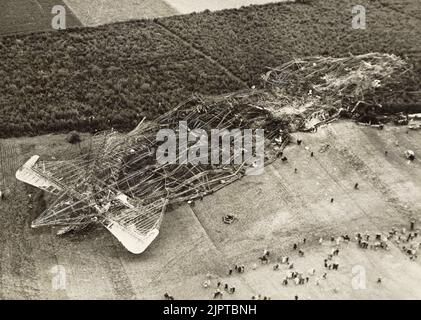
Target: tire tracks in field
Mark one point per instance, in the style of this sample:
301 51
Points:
2 213
120 281
345 191
22 262
228 261
223 257
174 34
298 206
359 166
207 235
15 230
1 257
395 156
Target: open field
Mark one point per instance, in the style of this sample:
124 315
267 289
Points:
188 6
274 211
96 12
23 16
249 40
77 79
121 72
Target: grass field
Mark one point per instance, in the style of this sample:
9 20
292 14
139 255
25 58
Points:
188 6
274 210
96 12
23 16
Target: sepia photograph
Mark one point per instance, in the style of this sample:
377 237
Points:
226 151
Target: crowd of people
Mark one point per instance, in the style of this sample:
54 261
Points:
408 241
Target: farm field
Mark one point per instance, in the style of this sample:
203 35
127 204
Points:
250 39
76 79
274 211
188 6
97 12
120 73
408 7
23 16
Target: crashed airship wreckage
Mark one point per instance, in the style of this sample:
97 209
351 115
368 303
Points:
119 182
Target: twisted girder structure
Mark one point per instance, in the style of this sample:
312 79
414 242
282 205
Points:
120 183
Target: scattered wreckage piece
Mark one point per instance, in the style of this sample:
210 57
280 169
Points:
414 116
410 155
414 126
228 219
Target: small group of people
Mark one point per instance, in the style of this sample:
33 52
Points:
297 277
283 260
239 269
397 236
364 241
265 257
219 293
168 296
411 246
346 238
363 244
295 245
260 297
331 265
227 288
